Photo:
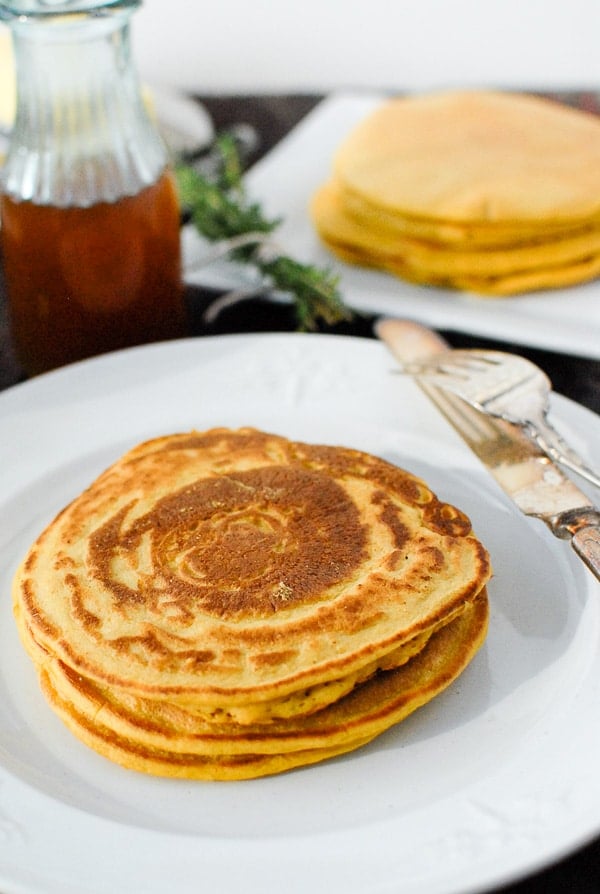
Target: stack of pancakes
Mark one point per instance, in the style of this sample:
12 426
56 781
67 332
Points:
228 604
491 193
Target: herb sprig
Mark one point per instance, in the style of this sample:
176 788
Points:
220 211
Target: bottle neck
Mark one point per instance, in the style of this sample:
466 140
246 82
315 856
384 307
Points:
82 134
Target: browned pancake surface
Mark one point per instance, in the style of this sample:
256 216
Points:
235 566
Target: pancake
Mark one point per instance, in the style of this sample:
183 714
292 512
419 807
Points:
301 703
495 194
466 156
493 287
237 566
143 738
433 260
552 266
215 590
455 234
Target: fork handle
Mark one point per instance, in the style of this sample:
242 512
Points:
550 441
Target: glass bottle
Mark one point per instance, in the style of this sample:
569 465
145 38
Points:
89 212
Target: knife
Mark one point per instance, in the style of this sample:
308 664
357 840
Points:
535 484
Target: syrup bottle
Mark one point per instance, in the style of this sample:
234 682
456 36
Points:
89 212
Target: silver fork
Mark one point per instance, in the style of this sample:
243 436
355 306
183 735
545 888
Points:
506 386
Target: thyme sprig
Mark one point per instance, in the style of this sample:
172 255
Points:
221 212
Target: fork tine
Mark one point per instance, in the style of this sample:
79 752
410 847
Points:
452 366
472 364
488 358
477 360
506 387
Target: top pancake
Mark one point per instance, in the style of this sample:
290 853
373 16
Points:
235 566
476 156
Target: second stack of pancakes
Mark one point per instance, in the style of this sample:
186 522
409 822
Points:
487 192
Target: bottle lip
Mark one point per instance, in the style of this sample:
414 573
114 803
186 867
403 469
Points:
45 9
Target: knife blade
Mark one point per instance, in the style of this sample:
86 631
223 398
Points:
537 486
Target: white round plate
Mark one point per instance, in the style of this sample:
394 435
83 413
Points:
493 779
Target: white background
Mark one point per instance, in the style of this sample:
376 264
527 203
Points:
288 45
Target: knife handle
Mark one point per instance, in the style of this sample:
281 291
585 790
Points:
582 526
586 543
408 340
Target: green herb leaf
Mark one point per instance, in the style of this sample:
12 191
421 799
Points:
220 211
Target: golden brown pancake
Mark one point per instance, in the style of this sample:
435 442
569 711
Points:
455 234
302 703
485 286
434 259
486 192
153 738
476 156
228 580
236 564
